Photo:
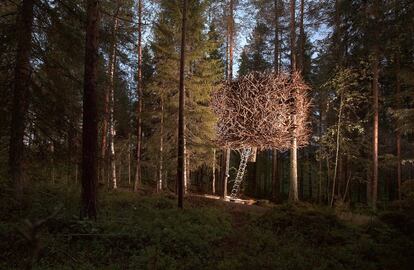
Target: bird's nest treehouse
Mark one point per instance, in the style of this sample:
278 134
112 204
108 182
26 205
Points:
261 111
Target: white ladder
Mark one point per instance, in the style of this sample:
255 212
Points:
245 154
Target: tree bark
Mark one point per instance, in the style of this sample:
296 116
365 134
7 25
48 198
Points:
90 113
292 26
338 134
302 38
293 194
276 44
275 167
161 150
229 75
398 133
137 182
111 90
22 78
213 181
374 188
181 121
375 107
275 177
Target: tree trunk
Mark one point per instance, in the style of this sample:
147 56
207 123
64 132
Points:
22 78
230 38
302 39
181 120
213 181
161 150
374 190
111 74
52 162
90 113
275 177
104 142
185 166
275 167
129 160
293 194
338 134
310 177
137 182
292 36
398 133
276 44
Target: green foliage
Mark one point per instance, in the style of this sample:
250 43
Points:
135 232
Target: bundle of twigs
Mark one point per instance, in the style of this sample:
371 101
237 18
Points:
262 110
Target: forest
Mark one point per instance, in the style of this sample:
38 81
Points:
206 134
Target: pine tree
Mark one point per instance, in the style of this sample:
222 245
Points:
90 113
22 80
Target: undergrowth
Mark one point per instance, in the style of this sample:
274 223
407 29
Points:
135 232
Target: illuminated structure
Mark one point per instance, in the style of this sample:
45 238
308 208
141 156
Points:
263 111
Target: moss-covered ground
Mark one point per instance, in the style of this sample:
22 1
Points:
149 232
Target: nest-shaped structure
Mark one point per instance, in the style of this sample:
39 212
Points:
262 110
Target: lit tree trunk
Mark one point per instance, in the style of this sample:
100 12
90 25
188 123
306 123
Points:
90 113
22 78
137 181
293 193
374 189
230 38
181 120
398 133
111 90
160 164
375 93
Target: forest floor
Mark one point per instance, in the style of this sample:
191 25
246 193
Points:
148 232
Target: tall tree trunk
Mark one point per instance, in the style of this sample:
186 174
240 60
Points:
229 75
22 78
375 107
302 39
293 193
374 188
137 182
292 25
111 90
398 133
90 113
161 150
181 120
276 44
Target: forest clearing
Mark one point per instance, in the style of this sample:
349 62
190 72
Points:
206 134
